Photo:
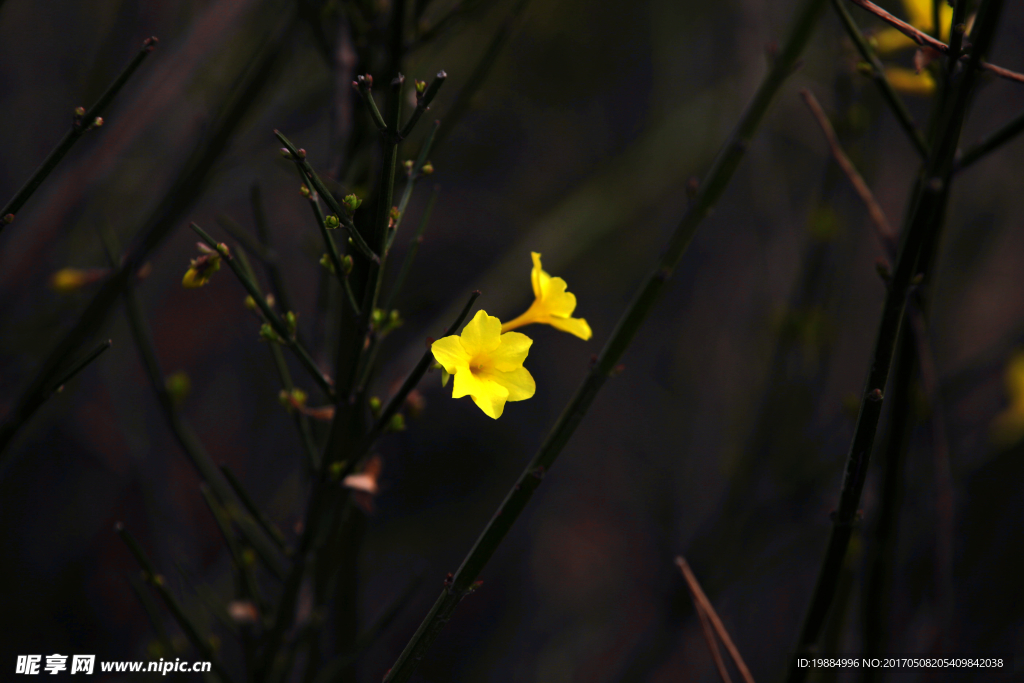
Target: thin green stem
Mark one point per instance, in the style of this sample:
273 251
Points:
247 587
271 317
81 364
184 621
991 143
385 195
415 173
364 85
957 26
268 527
480 72
314 182
423 101
325 233
153 612
928 206
259 216
187 439
464 580
162 219
410 254
242 236
889 94
81 124
396 402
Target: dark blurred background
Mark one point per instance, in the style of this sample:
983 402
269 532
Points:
723 438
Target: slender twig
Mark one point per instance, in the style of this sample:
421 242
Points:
314 183
423 101
186 437
395 404
184 621
261 518
705 606
247 587
928 205
301 421
81 364
271 317
709 638
84 120
940 459
332 670
480 72
410 254
415 173
364 86
273 268
242 236
385 195
152 611
161 220
992 142
707 196
925 40
892 98
957 28
884 231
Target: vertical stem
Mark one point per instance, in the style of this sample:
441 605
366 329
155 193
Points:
464 580
928 205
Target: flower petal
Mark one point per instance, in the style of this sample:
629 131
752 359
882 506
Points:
889 41
910 82
919 13
576 326
488 395
481 334
448 351
519 383
511 353
557 301
535 274
540 279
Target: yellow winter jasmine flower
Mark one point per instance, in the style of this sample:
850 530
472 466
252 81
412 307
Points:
487 365
67 280
910 81
919 15
203 268
552 305
1008 426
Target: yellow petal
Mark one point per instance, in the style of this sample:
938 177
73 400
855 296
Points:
919 13
193 279
449 352
557 301
535 274
511 353
519 383
488 395
909 81
890 40
576 326
481 334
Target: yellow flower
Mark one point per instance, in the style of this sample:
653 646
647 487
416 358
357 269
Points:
910 81
67 280
487 365
919 15
552 305
1008 426
202 268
